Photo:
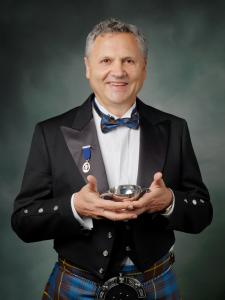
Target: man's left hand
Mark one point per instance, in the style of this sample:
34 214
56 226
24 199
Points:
157 200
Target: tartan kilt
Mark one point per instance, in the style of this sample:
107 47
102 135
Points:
64 285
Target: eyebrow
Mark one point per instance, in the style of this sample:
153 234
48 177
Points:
123 58
128 57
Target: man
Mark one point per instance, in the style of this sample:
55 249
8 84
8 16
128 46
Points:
119 247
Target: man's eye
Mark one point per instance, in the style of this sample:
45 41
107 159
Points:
106 61
130 61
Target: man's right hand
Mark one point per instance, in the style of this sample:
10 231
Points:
88 203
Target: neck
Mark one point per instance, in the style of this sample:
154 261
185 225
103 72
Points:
117 110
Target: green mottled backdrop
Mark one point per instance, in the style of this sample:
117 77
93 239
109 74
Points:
42 74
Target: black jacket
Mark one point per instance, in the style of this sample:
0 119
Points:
53 173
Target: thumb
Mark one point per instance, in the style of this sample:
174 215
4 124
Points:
92 183
158 180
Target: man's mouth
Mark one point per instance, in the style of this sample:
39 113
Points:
115 83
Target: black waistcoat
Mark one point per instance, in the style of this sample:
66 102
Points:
123 247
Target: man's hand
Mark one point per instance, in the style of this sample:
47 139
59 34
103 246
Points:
88 203
157 200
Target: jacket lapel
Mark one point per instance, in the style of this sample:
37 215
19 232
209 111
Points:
83 133
154 134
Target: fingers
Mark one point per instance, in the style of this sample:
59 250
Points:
92 183
157 176
113 205
157 200
89 203
118 216
157 181
148 198
121 208
113 210
143 201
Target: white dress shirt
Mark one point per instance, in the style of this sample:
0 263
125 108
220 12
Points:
120 153
120 150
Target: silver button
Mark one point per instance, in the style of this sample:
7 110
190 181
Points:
109 234
194 202
101 270
105 253
185 200
40 210
25 211
55 207
127 248
202 201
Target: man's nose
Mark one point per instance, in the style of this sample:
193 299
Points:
118 69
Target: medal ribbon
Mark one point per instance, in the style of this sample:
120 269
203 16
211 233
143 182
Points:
86 151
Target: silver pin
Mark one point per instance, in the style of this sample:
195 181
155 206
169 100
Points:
86 167
86 152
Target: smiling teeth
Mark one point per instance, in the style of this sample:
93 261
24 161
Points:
119 84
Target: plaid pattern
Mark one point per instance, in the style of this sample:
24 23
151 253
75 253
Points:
108 122
63 284
154 271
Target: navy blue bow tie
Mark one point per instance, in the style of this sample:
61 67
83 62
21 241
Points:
109 123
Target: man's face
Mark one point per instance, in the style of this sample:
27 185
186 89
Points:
116 69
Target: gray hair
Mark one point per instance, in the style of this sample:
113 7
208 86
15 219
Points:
116 26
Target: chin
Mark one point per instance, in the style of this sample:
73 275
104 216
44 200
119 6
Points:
118 99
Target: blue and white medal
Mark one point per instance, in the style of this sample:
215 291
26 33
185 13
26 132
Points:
86 151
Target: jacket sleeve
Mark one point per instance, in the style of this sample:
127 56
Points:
39 214
193 210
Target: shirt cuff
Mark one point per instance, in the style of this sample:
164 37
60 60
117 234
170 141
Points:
169 209
86 222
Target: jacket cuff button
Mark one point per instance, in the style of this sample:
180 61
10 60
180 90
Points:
109 235
127 248
105 253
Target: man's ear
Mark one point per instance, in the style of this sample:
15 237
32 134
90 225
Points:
87 68
145 69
